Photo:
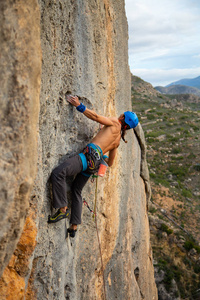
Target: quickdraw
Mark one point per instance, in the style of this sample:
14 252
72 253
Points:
86 204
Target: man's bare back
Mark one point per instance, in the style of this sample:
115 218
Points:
108 138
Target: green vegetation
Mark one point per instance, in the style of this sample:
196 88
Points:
197 167
152 210
176 150
173 135
173 148
171 270
186 193
189 244
166 229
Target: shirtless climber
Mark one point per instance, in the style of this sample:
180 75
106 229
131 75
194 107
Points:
87 163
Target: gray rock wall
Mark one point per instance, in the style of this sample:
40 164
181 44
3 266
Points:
20 61
85 52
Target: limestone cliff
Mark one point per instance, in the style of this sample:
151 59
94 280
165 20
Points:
84 52
20 76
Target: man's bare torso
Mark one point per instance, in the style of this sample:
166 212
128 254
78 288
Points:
108 138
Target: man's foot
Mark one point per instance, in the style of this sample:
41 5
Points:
72 232
59 215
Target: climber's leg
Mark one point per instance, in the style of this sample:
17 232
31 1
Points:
70 167
76 207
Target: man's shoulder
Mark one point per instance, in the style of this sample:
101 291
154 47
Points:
114 119
115 122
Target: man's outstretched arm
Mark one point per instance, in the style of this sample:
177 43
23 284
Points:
90 114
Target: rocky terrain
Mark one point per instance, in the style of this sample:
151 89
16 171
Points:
48 49
172 129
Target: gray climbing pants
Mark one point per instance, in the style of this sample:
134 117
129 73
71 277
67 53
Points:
72 166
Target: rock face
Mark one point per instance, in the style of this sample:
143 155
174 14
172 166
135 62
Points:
84 50
20 78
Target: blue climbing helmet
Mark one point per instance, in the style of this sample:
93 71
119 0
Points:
131 119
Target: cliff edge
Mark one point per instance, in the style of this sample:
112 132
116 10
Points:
84 52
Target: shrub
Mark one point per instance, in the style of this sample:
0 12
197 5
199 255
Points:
176 294
191 156
152 175
155 134
159 235
166 229
150 140
197 269
177 158
183 117
152 210
195 128
197 167
174 139
162 263
187 262
177 273
169 275
162 182
171 271
182 225
186 193
180 172
176 150
150 117
160 217
159 113
190 245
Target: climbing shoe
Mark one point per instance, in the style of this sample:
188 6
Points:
59 215
72 232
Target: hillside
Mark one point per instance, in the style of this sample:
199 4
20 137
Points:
194 82
172 129
178 89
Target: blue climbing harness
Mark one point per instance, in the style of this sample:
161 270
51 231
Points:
91 159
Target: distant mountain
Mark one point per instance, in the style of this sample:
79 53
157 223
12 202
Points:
194 82
178 89
141 86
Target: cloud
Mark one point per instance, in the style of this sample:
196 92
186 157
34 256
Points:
196 56
164 34
160 25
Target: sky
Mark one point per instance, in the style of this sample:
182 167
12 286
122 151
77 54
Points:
164 39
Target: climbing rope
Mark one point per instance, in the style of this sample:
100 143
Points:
95 202
95 216
96 224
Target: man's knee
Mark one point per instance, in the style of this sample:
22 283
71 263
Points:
55 174
76 188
